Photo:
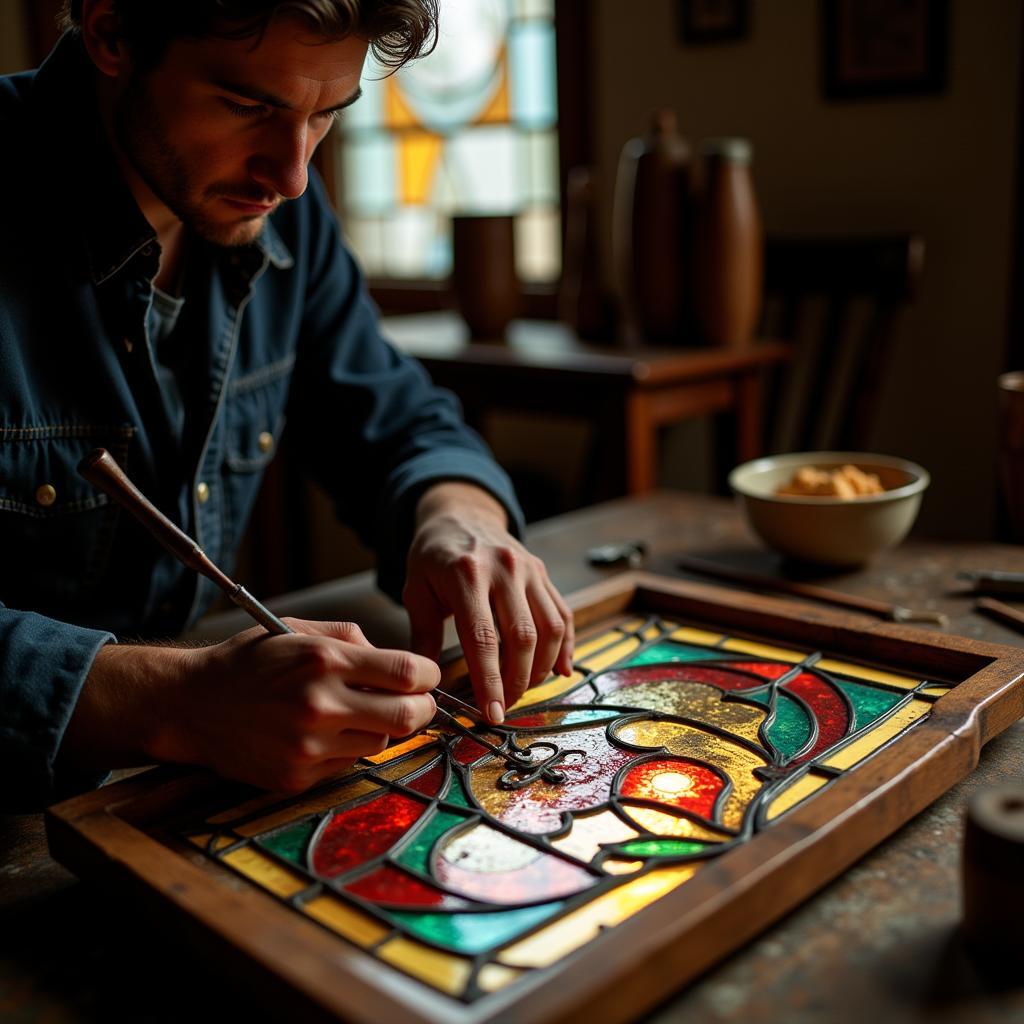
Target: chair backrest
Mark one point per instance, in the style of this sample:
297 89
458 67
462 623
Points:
837 300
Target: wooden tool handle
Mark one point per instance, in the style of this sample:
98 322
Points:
1003 612
100 469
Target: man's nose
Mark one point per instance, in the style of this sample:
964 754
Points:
282 161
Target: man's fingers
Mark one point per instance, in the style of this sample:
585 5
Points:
479 638
515 621
386 714
350 743
551 627
395 671
347 631
563 662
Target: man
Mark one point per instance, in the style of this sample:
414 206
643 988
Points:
172 286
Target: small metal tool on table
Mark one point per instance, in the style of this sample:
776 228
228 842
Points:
883 609
101 470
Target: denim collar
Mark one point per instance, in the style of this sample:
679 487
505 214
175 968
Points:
99 202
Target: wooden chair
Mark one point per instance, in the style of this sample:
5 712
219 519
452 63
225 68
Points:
838 301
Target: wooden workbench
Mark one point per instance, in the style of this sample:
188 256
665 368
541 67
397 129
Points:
879 944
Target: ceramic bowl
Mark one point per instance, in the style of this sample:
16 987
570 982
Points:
827 530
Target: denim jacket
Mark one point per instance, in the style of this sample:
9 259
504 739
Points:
283 331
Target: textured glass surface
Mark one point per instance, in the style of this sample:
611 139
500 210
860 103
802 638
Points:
470 128
669 746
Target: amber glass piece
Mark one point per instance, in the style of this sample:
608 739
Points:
701 637
614 654
414 743
265 871
663 823
548 690
568 933
443 971
397 771
493 977
589 831
762 650
872 675
798 790
352 924
618 866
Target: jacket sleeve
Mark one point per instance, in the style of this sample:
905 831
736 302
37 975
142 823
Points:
43 664
373 429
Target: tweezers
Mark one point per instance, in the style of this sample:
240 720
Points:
883 609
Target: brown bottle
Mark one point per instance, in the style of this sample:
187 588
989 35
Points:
728 253
650 222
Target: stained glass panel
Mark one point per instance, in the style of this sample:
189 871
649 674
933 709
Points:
668 747
470 128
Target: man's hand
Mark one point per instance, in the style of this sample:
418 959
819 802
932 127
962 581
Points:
281 712
512 623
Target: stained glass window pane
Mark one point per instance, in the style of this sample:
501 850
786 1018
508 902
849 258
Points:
471 128
669 746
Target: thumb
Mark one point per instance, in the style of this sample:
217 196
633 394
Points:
426 621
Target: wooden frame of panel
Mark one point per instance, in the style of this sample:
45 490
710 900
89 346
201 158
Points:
117 835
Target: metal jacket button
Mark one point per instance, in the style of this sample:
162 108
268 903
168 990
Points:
46 495
202 492
265 441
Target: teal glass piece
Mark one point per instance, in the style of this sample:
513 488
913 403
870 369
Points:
456 792
290 843
370 173
416 853
669 650
589 715
474 933
531 55
791 728
869 703
661 848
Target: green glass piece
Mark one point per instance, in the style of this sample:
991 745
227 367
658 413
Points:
456 792
473 933
290 843
669 650
791 728
661 848
868 702
416 853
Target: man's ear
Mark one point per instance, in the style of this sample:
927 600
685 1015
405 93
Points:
101 34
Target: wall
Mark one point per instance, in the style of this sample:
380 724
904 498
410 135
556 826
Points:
14 51
942 165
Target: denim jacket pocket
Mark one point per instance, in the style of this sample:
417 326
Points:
56 529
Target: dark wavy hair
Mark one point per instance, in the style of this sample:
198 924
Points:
398 30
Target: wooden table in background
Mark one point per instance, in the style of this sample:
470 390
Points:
879 944
627 394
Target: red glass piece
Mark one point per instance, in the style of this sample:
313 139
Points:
724 679
395 887
466 751
357 835
675 782
828 708
430 782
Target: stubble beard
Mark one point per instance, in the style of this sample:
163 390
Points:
141 135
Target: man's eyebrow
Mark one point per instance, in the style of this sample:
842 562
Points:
252 92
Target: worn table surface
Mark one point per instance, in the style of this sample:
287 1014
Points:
879 944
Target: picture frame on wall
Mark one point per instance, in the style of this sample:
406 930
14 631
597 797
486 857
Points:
875 48
712 21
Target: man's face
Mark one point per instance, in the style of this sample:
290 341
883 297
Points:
222 131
